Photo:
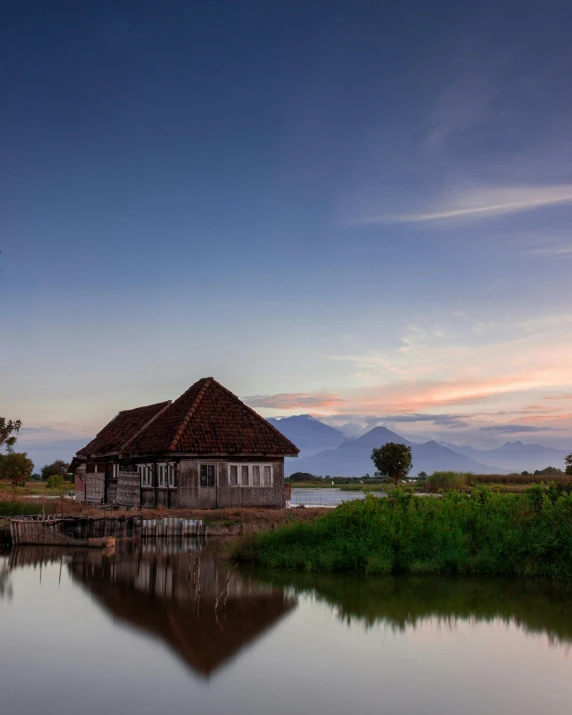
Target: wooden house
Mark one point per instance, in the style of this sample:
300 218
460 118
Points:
206 449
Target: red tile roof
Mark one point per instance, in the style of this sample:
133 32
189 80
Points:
206 419
121 429
209 419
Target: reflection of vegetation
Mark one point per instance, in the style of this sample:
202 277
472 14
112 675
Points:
5 584
405 601
484 534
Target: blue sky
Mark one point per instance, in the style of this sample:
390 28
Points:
356 210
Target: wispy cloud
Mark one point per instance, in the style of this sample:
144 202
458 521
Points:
462 105
442 419
443 375
294 401
516 429
478 204
550 252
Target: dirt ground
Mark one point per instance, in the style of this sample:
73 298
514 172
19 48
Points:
247 516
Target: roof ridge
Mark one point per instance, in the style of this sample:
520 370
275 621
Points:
166 404
144 407
254 412
187 418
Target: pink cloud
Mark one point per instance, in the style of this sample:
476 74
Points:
295 401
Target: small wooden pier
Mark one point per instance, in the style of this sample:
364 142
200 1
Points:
98 532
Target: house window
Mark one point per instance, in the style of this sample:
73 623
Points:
146 473
250 475
165 475
95 468
256 475
207 472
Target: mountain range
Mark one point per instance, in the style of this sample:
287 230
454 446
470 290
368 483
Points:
515 456
327 451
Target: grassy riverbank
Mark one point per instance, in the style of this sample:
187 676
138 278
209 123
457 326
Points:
9 490
21 507
485 533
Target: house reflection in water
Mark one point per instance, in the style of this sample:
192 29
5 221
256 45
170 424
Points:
150 586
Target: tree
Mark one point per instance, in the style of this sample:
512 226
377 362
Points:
548 470
16 467
55 469
568 462
393 460
8 431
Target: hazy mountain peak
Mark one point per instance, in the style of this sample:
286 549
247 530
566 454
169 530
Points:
308 434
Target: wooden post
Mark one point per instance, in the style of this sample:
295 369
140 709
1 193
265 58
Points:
155 484
168 468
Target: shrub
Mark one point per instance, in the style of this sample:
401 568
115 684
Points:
446 480
56 481
485 533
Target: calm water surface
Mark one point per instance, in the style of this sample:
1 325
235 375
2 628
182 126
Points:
322 497
129 631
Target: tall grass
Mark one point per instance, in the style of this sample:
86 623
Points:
446 480
484 533
18 507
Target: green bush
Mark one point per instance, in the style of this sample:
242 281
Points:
446 480
56 481
24 508
484 533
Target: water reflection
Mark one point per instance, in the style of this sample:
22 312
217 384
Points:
170 590
342 645
405 602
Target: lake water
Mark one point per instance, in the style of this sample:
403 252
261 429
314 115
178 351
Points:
130 631
323 497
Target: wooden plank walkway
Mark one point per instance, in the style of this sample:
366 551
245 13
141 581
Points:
78 531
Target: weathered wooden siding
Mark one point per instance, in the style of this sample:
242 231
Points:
129 489
94 487
79 481
191 494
